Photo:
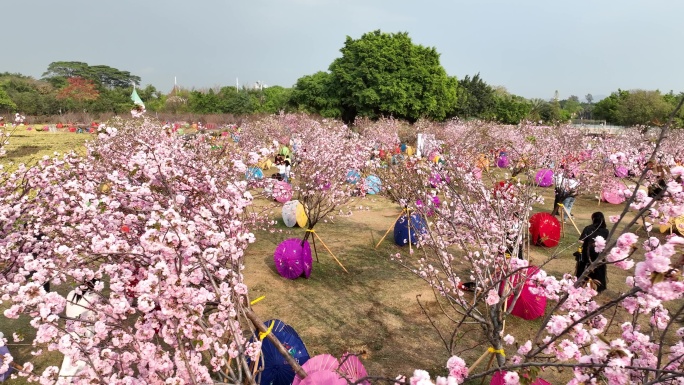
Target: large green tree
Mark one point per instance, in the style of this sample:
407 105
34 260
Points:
314 94
475 98
104 76
385 74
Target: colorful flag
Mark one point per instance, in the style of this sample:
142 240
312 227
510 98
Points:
136 99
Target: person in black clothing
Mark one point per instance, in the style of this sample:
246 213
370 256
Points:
589 254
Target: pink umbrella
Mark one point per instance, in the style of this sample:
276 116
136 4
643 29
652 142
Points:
321 362
353 369
292 259
613 194
621 172
544 178
528 306
282 191
323 377
545 229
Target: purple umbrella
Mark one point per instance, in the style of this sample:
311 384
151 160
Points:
544 178
292 259
502 162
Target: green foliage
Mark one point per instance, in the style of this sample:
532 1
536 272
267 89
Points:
475 98
511 109
275 99
104 76
6 104
640 107
314 94
384 74
606 109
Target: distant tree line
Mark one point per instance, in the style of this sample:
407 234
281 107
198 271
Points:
379 74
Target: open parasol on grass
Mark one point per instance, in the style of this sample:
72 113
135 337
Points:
504 189
409 229
352 368
502 161
324 377
545 230
275 368
294 214
621 172
282 191
528 306
544 178
353 177
254 173
319 363
679 225
3 351
373 184
613 194
292 258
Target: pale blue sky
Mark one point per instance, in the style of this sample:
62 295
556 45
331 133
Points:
531 47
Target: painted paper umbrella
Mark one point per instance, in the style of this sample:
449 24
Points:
402 227
528 306
324 377
373 184
282 191
275 369
290 213
4 350
504 189
502 162
353 177
352 368
321 362
545 230
621 172
292 258
613 194
498 379
544 178
254 173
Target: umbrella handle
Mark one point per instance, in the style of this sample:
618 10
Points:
259 325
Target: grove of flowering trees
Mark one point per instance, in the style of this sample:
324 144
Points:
151 228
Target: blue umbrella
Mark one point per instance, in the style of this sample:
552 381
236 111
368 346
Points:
5 376
254 173
276 370
373 184
353 176
401 229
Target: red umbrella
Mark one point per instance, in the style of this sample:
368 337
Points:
321 362
353 369
282 191
292 259
545 230
504 189
528 306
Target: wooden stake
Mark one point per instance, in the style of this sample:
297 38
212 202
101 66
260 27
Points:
331 253
313 240
388 230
